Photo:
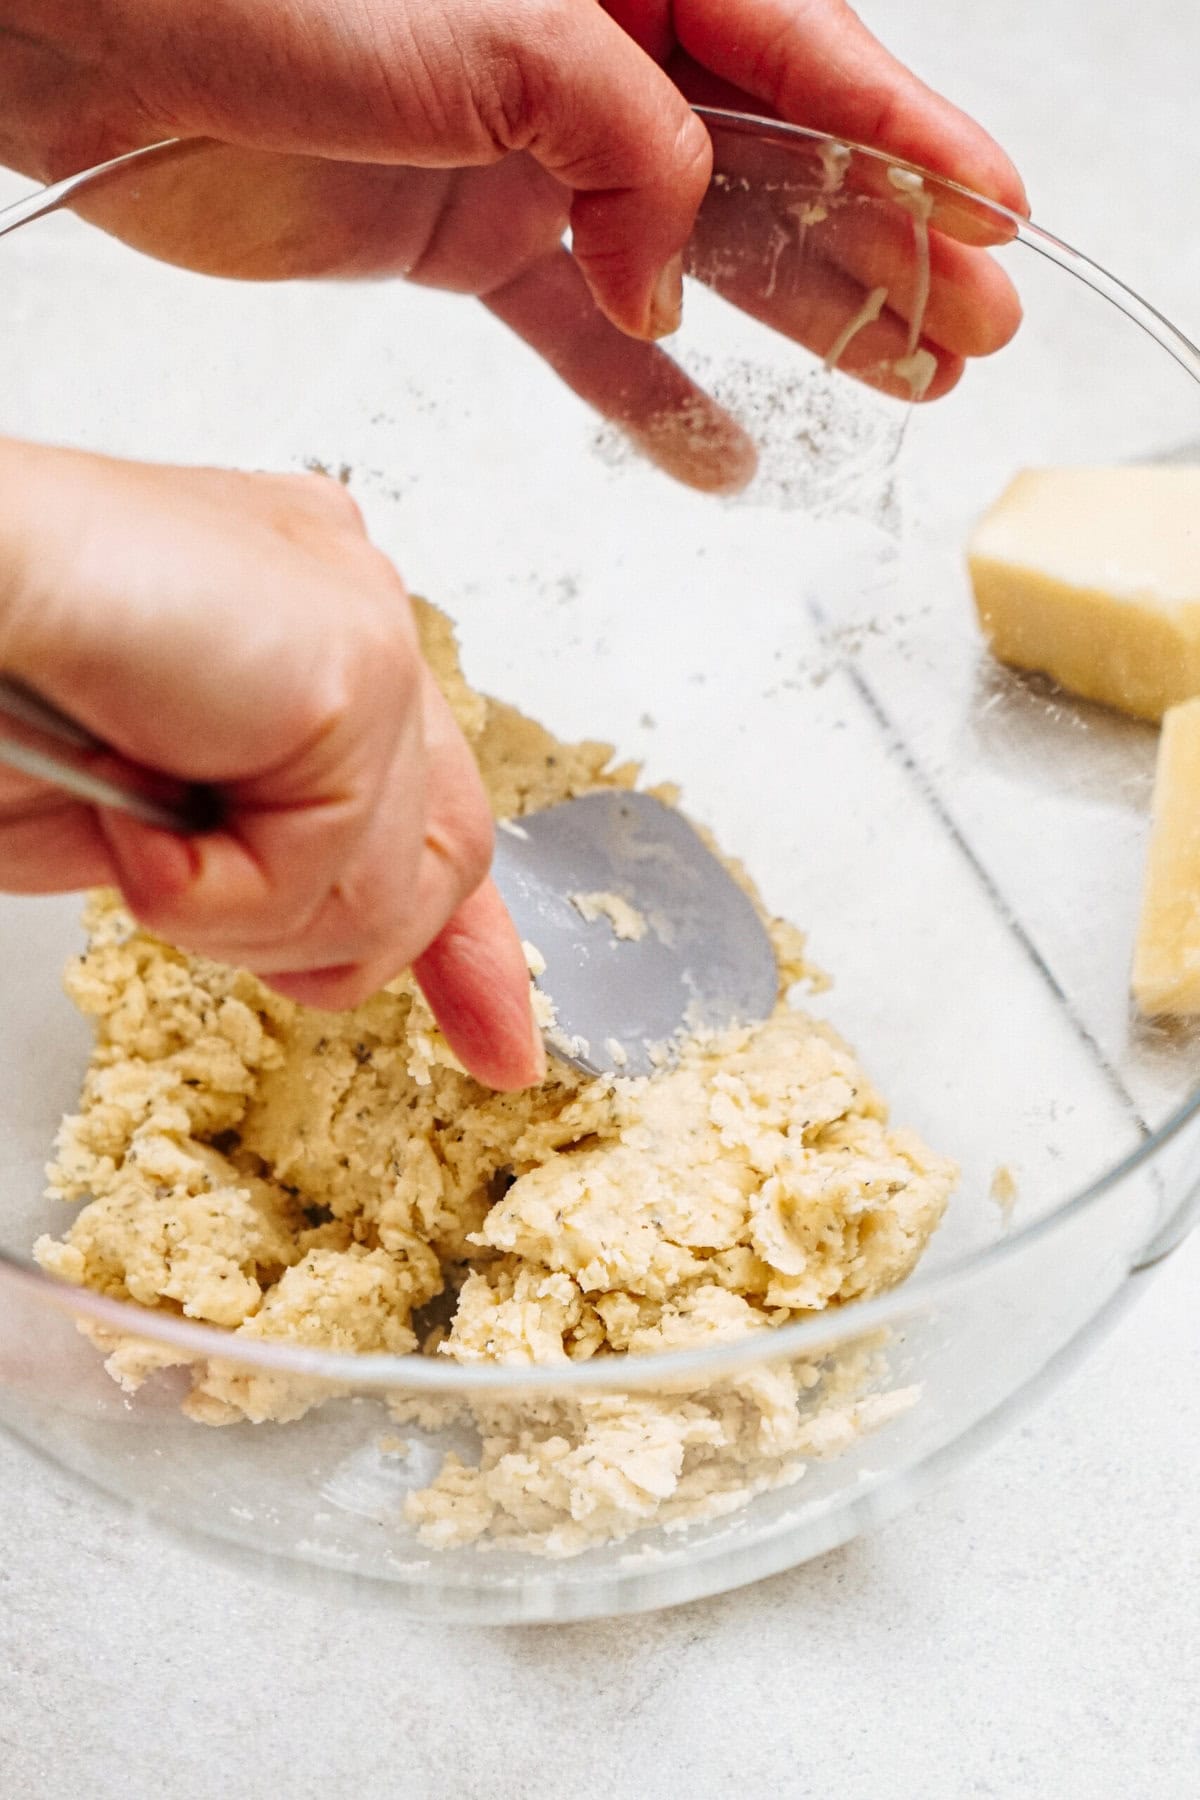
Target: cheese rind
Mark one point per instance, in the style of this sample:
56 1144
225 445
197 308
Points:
1166 964
1092 576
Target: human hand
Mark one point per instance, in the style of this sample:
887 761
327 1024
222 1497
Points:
241 630
452 142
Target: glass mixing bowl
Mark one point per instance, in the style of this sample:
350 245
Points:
964 846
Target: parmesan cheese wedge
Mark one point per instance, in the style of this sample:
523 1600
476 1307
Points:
1166 964
1092 576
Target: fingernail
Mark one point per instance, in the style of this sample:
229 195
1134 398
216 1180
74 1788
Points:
539 1053
666 301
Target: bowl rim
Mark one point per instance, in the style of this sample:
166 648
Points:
417 1372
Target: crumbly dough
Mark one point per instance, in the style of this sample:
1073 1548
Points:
624 918
337 1180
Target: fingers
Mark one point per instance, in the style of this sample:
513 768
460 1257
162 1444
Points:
242 631
674 422
460 85
389 909
319 849
830 313
272 895
790 278
806 269
454 929
818 65
49 844
453 860
598 113
221 628
475 979
963 300
799 169
389 903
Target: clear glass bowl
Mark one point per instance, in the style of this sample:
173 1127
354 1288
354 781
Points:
963 846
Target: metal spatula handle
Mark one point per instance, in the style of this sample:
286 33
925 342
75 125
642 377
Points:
39 740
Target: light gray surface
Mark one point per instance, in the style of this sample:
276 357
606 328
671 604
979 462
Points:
1031 1631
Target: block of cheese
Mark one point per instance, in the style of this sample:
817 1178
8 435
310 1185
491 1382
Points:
1166 963
1092 576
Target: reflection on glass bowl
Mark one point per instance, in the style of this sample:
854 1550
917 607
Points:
741 562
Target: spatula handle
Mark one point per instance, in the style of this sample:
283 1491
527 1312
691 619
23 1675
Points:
39 740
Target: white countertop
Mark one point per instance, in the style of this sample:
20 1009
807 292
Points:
1031 1630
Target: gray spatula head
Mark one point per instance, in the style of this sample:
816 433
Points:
643 932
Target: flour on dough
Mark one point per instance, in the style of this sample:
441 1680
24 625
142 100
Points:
626 921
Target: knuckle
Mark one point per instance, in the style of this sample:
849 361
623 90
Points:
467 841
388 678
507 99
880 106
514 64
332 496
241 933
370 679
369 910
382 576
771 68
337 988
371 915
315 498
601 244
693 154
159 916
350 987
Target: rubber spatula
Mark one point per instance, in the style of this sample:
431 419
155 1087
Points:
644 935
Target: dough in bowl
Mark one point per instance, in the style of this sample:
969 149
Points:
337 1180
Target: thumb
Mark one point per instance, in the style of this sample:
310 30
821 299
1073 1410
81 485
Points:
599 114
476 982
